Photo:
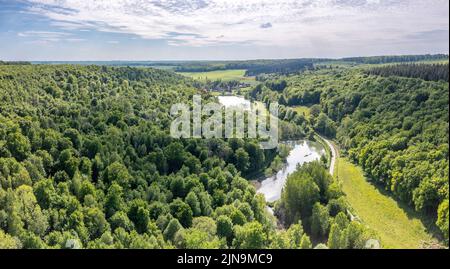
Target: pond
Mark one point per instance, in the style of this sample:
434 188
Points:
302 152
234 101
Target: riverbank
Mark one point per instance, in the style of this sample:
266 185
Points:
331 152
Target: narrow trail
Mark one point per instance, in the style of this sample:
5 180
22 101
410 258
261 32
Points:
333 154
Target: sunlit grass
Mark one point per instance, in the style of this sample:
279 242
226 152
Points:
397 225
303 110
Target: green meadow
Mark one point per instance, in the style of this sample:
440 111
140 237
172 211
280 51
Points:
397 225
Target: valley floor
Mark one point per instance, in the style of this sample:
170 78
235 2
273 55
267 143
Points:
397 225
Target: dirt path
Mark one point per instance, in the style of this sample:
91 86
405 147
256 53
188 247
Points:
334 154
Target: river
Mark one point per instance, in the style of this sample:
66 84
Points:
302 151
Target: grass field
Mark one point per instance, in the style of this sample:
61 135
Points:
302 110
225 75
397 225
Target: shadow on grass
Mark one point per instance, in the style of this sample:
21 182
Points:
427 220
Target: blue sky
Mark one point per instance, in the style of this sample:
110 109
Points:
219 29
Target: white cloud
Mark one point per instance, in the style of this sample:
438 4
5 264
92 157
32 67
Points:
47 37
43 37
43 34
75 39
218 22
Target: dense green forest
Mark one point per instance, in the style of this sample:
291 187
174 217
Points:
429 72
396 59
85 155
86 161
14 63
395 128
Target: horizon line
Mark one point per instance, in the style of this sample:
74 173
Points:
446 54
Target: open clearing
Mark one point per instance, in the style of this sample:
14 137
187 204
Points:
303 110
397 225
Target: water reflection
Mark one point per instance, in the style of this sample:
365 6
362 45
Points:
302 152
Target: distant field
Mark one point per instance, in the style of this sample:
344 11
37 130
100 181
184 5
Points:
225 75
397 227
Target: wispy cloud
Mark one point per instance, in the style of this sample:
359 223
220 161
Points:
213 22
75 39
43 36
47 37
434 35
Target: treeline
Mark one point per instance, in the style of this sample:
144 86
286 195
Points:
429 72
14 63
395 59
219 85
282 67
253 67
395 128
258 67
199 67
290 66
293 125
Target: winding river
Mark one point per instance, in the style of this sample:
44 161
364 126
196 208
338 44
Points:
302 151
